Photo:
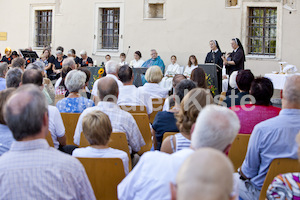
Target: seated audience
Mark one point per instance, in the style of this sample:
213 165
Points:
85 61
112 69
271 139
123 59
86 92
165 120
244 79
74 102
155 60
3 71
199 77
286 186
216 127
72 54
121 120
207 178
169 102
13 77
171 71
261 110
57 65
138 61
19 62
153 77
61 89
31 164
190 107
129 95
6 137
97 129
56 125
60 48
68 62
49 61
192 64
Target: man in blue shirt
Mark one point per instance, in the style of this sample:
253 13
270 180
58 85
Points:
3 70
155 60
271 139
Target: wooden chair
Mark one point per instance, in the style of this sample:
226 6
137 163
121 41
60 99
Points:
278 166
222 97
238 150
117 141
134 109
157 104
70 121
166 134
104 174
142 121
49 139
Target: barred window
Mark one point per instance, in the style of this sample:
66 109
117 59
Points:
110 26
43 28
262 31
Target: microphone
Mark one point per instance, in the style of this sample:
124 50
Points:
127 52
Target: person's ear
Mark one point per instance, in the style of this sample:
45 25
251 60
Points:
173 190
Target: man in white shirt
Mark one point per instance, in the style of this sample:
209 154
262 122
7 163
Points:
56 125
31 169
216 127
121 120
111 68
129 95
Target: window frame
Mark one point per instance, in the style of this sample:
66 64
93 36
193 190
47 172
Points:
39 30
113 52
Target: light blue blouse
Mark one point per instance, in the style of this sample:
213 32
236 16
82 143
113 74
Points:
74 105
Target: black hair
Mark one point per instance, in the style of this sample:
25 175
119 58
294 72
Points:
123 54
73 51
60 48
138 53
181 88
262 90
125 73
244 79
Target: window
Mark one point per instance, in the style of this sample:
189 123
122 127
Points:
154 9
230 3
262 31
43 24
109 28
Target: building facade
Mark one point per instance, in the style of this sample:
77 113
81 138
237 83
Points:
268 29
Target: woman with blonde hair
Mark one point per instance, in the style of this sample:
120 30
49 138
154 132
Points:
153 76
186 117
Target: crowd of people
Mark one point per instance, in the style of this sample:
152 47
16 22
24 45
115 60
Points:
191 164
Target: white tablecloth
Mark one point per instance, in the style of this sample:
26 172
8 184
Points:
278 80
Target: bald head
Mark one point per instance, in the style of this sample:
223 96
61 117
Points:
291 93
25 112
32 76
206 174
108 89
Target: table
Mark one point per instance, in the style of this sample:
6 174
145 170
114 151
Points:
278 80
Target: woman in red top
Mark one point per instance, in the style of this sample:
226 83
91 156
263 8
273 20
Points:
260 109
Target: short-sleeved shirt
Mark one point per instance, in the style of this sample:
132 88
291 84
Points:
57 64
164 122
250 115
85 63
271 139
50 60
56 125
74 105
7 60
77 60
90 152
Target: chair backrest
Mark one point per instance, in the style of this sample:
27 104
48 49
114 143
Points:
166 134
49 139
104 174
134 109
117 140
222 97
278 166
157 104
70 121
238 150
142 121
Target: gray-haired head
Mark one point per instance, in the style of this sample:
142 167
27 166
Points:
291 92
69 62
108 89
33 66
13 77
40 64
112 67
216 127
3 69
25 110
75 80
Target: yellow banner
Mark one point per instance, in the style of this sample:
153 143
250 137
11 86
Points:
3 36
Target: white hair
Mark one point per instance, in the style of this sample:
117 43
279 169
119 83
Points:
112 67
216 127
75 80
40 66
83 52
291 90
3 69
68 62
232 80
